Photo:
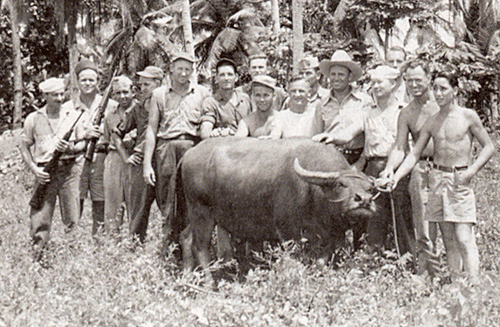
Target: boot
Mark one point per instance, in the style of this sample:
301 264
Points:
98 216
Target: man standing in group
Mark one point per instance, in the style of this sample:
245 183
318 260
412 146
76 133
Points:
139 196
174 116
309 69
258 64
380 127
410 121
88 100
114 165
344 106
42 134
396 58
223 111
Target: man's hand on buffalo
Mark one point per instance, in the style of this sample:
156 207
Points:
385 184
149 174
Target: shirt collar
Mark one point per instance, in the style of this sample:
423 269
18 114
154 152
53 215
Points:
354 93
191 89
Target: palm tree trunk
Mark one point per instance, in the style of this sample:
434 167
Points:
17 114
188 30
298 36
275 10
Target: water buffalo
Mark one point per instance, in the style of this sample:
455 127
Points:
271 190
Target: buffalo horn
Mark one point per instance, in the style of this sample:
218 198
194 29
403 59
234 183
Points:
315 177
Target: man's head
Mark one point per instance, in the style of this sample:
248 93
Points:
299 89
87 75
122 90
53 89
445 86
258 65
226 74
263 87
181 68
309 69
396 57
383 79
417 77
149 79
341 70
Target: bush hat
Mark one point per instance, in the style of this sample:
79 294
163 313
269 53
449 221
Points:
85 64
151 72
308 63
52 84
342 58
264 80
384 72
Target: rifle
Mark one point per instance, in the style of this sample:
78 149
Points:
89 153
38 197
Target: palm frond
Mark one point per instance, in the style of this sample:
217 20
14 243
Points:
226 41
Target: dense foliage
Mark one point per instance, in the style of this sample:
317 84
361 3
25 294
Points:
40 55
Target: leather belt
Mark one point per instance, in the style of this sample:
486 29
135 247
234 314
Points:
376 158
60 162
350 151
448 169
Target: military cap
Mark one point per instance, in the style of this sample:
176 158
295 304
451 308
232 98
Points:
384 72
85 64
52 84
151 72
183 55
264 80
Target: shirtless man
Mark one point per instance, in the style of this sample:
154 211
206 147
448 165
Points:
410 121
451 200
258 123
297 120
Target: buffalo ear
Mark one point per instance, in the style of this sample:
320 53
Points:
315 177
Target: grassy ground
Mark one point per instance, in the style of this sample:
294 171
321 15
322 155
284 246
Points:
89 283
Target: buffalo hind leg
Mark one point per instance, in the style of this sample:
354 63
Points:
202 226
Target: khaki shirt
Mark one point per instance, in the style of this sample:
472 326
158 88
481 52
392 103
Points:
227 114
40 133
136 118
179 114
111 121
380 127
86 122
334 116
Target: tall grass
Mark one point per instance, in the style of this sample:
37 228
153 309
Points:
99 282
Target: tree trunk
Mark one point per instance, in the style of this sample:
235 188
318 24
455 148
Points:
17 114
73 51
298 35
275 10
188 30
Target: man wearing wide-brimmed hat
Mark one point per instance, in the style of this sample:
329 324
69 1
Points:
344 106
42 134
380 128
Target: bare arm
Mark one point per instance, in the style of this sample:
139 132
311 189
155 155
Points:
397 154
414 155
41 176
243 130
206 129
150 143
479 132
